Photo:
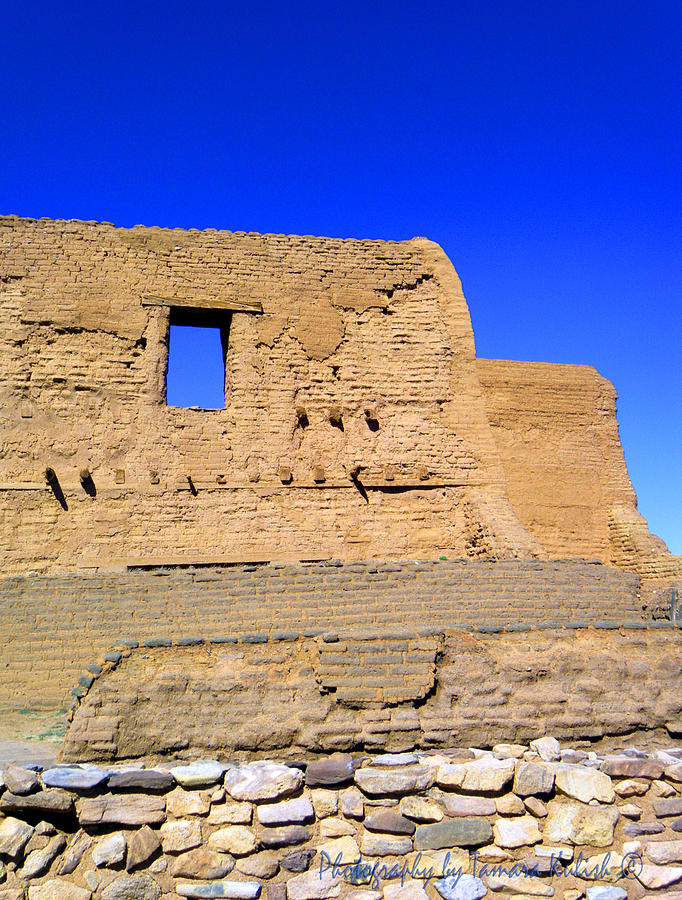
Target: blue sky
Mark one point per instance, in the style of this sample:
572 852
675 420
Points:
538 143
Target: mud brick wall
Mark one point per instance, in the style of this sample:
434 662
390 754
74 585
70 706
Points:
556 430
52 627
357 421
361 365
389 691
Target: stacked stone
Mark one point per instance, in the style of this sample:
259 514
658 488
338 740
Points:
518 821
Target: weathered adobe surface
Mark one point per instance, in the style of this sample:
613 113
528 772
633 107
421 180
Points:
394 692
53 627
351 326
348 328
538 821
556 430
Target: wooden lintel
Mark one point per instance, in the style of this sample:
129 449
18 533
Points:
233 305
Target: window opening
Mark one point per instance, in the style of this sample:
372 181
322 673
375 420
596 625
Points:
197 347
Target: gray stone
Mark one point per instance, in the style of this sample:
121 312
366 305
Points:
38 841
181 803
286 835
20 781
259 865
333 828
75 778
410 890
606 892
111 850
488 774
583 784
662 853
122 809
285 813
635 829
395 759
465 832
237 890
420 809
239 840
389 821
510 805
202 863
625 767
461 887
93 879
383 845
142 846
335 769
630 811
537 865
573 756
547 748
352 803
404 780
141 780
674 772
655 877
176 837
517 832
38 862
262 781
532 779
669 806
278 892
14 835
298 860
577 823
52 800
80 842
526 885
313 885
202 773
132 887
58 889
535 806
458 806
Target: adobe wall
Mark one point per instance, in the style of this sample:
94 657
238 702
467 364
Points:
556 430
394 691
52 627
358 423
346 328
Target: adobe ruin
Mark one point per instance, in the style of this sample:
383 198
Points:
370 484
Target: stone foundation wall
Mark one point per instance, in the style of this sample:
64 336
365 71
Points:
533 821
52 628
